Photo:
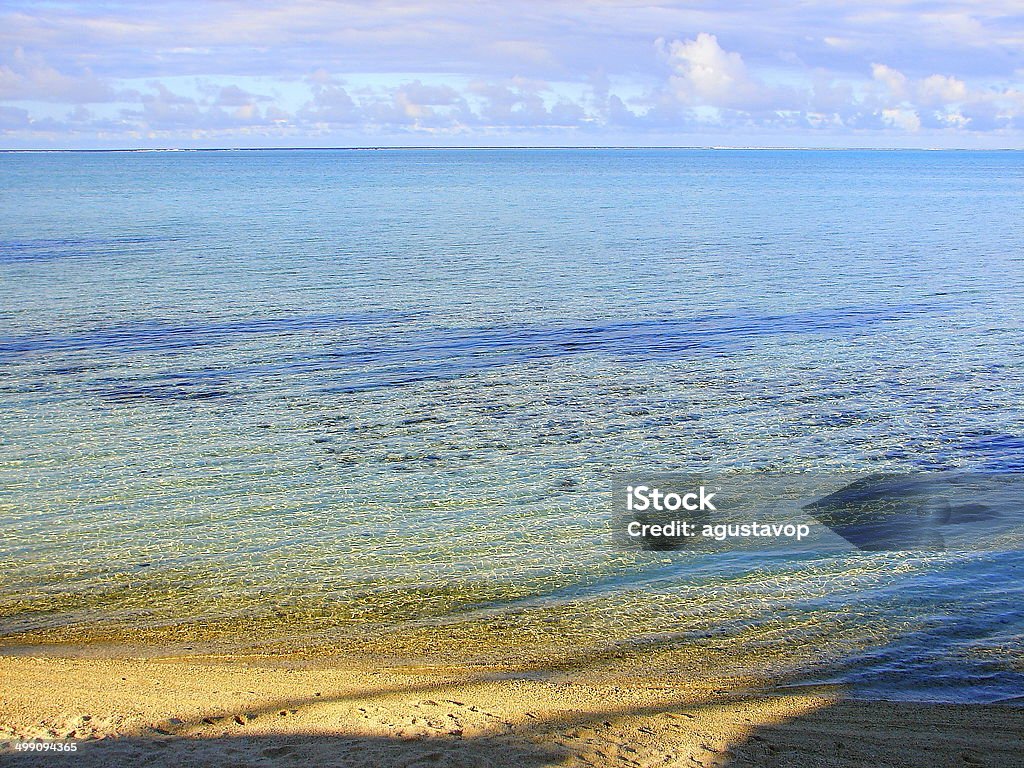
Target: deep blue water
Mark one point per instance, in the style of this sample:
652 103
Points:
353 393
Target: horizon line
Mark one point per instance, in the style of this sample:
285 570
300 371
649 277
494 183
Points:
409 147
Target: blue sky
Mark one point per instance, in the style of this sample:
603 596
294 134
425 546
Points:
181 73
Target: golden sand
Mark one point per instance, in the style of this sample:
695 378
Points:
188 712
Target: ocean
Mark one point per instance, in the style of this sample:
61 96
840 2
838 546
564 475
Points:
373 402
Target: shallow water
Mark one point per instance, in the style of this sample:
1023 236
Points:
374 400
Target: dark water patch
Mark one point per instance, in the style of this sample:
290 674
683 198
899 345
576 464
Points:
388 350
997 453
161 388
450 353
937 663
983 451
961 635
68 370
156 336
57 249
626 338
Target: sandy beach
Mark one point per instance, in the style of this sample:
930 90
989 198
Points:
181 712
425 384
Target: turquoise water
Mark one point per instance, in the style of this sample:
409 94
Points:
373 400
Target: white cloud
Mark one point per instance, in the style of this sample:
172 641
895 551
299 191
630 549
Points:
840 43
707 74
781 68
330 104
894 82
955 119
26 77
904 119
941 89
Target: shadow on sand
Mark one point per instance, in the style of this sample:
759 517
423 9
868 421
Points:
309 751
853 734
674 727
841 734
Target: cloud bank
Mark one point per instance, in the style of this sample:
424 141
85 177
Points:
318 73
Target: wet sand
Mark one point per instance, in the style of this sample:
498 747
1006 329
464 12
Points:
188 712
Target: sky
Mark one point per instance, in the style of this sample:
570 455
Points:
315 73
